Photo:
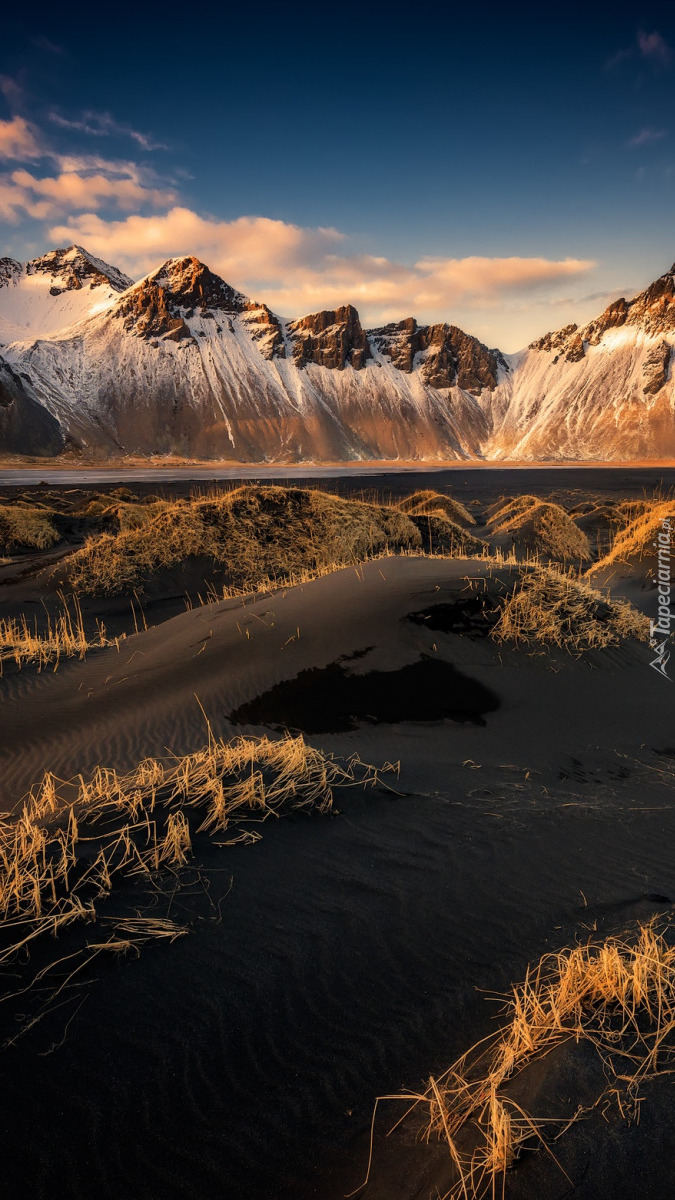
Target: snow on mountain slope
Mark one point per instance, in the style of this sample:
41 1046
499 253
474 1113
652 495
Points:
182 363
605 391
60 288
593 409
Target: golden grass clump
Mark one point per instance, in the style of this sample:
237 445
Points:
635 541
548 605
427 501
618 996
59 636
132 515
26 527
539 526
144 821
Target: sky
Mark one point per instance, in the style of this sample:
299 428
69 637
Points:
505 168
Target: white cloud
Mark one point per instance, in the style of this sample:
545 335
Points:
77 181
81 182
298 270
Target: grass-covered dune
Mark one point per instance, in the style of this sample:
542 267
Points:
256 534
538 527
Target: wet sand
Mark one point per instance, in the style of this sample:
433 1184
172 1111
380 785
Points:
464 480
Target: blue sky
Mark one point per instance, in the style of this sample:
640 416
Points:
502 167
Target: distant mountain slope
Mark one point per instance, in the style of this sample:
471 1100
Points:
182 363
42 296
604 390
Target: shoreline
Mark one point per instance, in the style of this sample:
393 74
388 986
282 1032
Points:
14 474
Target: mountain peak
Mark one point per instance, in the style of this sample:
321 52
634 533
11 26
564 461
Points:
55 291
160 305
73 266
191 284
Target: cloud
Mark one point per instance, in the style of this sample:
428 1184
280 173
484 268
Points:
12 90
22 193
298 270
617 59
646 136
264 248
112 167
77 181
654 47
19 140
103 124
650 47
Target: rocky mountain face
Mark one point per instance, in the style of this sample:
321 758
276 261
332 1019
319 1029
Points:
652 312
330 339
182 363
157 307
447 357
65 271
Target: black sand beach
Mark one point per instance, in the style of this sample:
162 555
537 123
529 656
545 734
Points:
351 954
466 481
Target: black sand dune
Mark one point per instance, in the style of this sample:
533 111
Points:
346 955
117 706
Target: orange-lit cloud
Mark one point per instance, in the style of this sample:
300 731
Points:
18 140
73 191
297 270
22 193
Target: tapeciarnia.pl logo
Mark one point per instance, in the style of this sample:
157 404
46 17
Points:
659 630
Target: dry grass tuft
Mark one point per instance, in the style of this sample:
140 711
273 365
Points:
61 636
635 541
619 997
426 501
73 839
548 605
540 527
26 527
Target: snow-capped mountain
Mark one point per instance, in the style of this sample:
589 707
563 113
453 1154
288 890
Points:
603 391
42 296
182 363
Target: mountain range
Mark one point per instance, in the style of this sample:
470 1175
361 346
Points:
181 363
